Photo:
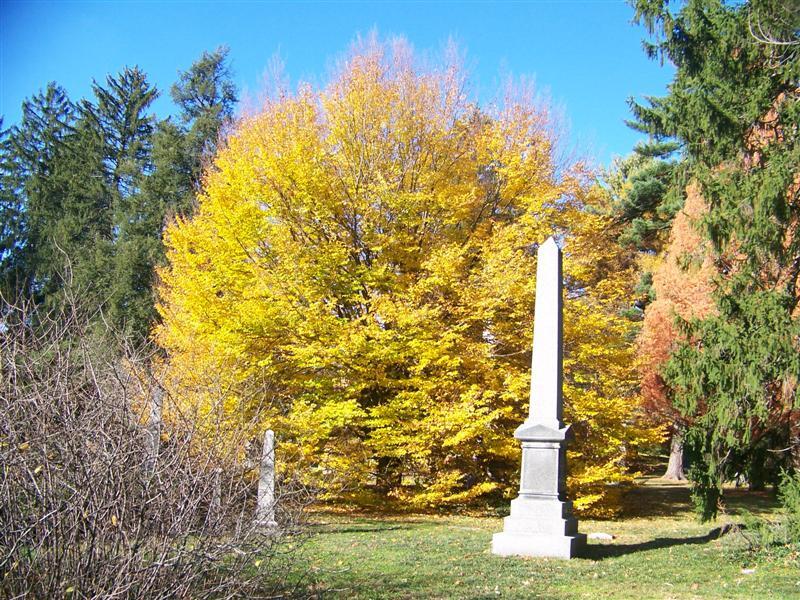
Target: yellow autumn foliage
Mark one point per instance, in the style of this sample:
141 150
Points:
360 275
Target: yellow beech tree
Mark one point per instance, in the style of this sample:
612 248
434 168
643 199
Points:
360 275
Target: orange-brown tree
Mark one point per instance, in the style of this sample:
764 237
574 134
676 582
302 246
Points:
683 286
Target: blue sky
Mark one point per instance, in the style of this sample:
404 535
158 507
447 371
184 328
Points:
585 55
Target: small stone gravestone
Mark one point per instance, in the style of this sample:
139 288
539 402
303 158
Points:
265 507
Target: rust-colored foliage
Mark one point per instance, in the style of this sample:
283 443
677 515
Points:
683 285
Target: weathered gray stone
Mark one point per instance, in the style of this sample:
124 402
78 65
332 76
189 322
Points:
508 543
541 521
154 421
547 362
215 506
265 507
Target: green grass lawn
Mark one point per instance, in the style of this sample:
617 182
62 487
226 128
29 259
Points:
659 551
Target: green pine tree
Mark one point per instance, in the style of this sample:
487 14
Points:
644 198
181 151
206 97
56 202
13 267
85 191
121 117
646 193
734 107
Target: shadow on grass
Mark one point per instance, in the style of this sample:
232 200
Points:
659 498
603 551
738 500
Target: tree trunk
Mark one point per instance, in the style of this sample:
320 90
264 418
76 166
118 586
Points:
794 440
675 465
389 476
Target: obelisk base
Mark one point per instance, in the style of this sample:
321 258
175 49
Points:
541 521
520 544
539 527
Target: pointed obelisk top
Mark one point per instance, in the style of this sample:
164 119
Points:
547 362
550 244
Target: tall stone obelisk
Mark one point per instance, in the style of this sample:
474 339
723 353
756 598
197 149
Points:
541 521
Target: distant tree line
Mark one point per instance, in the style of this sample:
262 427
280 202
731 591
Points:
87 185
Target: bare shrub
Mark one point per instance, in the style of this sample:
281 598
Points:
100 499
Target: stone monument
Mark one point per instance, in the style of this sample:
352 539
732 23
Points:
541 521
265 506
